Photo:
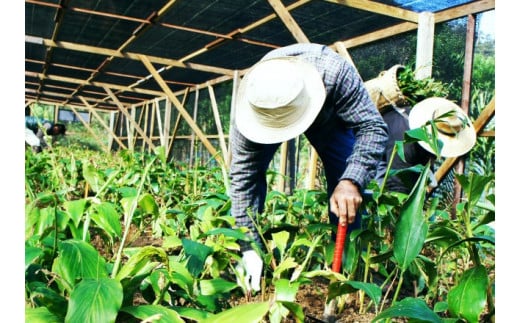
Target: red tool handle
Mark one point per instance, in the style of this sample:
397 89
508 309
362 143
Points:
338 249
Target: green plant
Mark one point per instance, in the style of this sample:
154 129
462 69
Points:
416 90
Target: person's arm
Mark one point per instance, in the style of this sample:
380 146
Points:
248 188
247 185
357 110
42 130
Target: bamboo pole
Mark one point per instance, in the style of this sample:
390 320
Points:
479 124
216 115
283 167
89 129
127 115
107 128
192 142
146 61
177 121
313 162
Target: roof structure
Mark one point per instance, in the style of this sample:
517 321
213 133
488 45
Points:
83 51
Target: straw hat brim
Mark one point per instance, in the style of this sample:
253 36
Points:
248 123
453 146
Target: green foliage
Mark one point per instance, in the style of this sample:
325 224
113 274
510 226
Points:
416 90
127 226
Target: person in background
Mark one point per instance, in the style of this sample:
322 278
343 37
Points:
36 129
455 131
302 89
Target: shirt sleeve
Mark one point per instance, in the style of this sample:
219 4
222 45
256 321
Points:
354 106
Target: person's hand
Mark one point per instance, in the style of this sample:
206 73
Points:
251 267
345 201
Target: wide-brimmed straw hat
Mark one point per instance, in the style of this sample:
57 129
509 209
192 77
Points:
454 128
278 99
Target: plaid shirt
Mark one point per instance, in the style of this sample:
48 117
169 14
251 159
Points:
347 99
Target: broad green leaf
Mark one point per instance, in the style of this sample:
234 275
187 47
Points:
412 308
171 242
93 177
45 219
197 254
181 276
339 288
208 302
280 240
468 299
443 235
250 313
95 301
227 232
78 260
474 185
285 290
148 205
216 286
296 309
75 210
44 296
107 218
372 290
154 313
192 313
440 307
411 228
286 264
140 260
328 274
31 254
41 315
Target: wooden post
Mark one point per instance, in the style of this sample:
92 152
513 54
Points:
109 129
283 166
479 124
425 35
146 61
216 115
129 117
89 129
195 110
466 98
177 121
167 121
313 165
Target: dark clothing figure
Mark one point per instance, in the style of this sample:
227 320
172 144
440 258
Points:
36 129
397 120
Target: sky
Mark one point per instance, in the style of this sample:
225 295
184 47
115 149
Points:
487 23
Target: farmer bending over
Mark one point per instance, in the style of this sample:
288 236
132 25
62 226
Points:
37 128
310 89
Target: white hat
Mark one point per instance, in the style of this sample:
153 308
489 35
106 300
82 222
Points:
455 130
278 99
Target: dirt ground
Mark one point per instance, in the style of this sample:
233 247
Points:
312 299
310 296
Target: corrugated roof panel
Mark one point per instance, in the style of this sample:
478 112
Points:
232 55
39 20
222 16
94 30
134 8
167 42
77 58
